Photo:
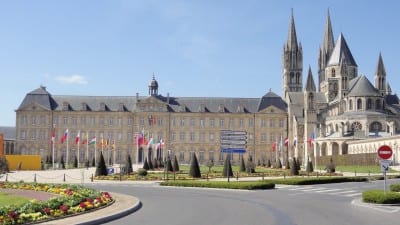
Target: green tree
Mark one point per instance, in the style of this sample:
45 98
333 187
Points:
175 165
75 162
294 171
194 170
169 167
242 165
101 169
227 167
278 164
146 164
128 165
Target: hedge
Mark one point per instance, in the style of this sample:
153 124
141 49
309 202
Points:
380 197
320 180
247 185
395 187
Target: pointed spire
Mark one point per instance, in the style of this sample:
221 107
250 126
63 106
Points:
310 85
380 67
341 51
328 43
292 37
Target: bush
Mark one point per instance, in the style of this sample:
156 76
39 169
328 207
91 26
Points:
242 165
169 167
101 169
250 166
146 164
246 185
175 165
3 165
227 167
330 167
379 197
293 168
194 170
395 187
142 172
310 167
319 180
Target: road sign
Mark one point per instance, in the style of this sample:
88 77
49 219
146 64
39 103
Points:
385 165
233 150
232 141
385 152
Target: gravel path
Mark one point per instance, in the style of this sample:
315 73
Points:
38 195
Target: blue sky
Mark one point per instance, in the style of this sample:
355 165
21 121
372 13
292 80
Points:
194 48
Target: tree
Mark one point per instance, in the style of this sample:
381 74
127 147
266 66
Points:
194 170
294 171
4 165
146 164
62 162
250 166
101 169
269 163
330 167
93 162
169 165
242 165
128 165
155 163
75 162
175 165
151 167
227 167
309 167
287 164
279 164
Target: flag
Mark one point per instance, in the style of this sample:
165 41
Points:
78 137
295 141
92 141
311 139
64 137
150 142
53 135
274 145
286 141
280 143
86 141
113 145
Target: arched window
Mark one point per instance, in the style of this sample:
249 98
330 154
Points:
291 79
350 104
311 101
359 104
375 126
297 78
378 104
356 126
333 72
369 104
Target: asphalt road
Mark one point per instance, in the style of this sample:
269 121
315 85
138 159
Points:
330 204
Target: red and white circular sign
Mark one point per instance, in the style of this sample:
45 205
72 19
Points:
385 152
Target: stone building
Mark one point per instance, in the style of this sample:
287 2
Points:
345 106
8 139
182 125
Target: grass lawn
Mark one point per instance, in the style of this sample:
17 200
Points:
6 199
359 169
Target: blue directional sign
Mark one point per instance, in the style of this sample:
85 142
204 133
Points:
233 150
233 141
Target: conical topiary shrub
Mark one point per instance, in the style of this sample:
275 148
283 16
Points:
227 167
93 162
169 167
155 163
294 168
298 164
278 164
330 167
62 162
309 167
194 170
87 164
128 165
75 162
175 165
269 163
101 169
146 164
250 166
242 165
287 164
151 167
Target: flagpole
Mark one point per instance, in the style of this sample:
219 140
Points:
67 148
87 147
95 153
53 140
79 141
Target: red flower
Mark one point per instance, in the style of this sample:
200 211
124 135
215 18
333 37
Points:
107 195
82 205
47 211
13 215
64 208
89 200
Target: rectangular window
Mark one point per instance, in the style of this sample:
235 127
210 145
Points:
201 156
221 156
119 138
281 123
192 136
141 121
271 123
172 136
182 122
119 122
83 120
74 120
33 135
92 121
65 120
111 121
173 122
241 123
212 137
231 123
23 135
101 121
182 136
221 123
42 120
33 120
211 155
212 123
159 121
202 137
201 122
181 156
23 120
263 137
130 121
192 122
42 135
251 122
271 137
263 123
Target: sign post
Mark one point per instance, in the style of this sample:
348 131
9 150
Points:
384 153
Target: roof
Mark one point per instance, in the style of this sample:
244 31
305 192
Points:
272 99
39 96
310 85
361 87
8 133
341 53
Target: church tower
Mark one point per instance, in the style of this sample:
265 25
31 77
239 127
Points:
325 52
310 116
292 63
380 77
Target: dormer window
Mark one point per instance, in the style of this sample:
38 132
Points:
84 106
202 108
221 108
333 72
65 106
121 107
102 106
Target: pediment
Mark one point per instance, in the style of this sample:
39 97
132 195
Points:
34 107
151 104
272 109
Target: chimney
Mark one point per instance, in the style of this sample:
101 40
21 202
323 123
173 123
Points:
168 98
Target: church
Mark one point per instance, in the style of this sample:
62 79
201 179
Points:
344 113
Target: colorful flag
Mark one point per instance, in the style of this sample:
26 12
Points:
311 139
286 141
78 137
274 145
64 137
295 141
86 141
92 141
150 142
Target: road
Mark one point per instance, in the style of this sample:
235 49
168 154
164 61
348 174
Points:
329 204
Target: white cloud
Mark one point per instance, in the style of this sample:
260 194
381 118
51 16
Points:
73 79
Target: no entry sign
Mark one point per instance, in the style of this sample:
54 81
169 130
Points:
385 152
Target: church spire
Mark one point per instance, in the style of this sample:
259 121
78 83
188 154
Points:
310 85
380 76
325 51
292 61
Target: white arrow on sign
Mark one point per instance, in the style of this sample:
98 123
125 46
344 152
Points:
385 165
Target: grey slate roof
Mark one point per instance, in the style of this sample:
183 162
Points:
41 97
360 86
8 133
341 53
174 104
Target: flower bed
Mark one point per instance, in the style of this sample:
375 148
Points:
71 199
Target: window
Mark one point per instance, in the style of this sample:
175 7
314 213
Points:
182 136
263 137
23 120
241 123
141 121
42 120
192 122
172 136
212 137
74 120
111 121
101 121
130 121
119 136
201 122
119 122
212 123
378 104
251 122
201 156
65 120
42 135
271 138
231 123
33 120
221 123
33 135
376 126
263 123
369 104
192 136
211 155
333 72
159 121
55 120
202 137
281 123
181 156
350 104
271 123
23 135
83 120
92 121
129 137
182 123
173 122
359 104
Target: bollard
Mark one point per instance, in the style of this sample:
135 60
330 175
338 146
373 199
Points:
91 178
64 177
34 178
6 177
